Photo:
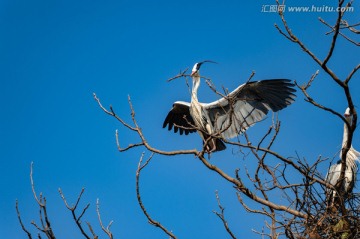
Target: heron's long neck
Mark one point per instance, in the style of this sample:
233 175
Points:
345 136
196 84
352 154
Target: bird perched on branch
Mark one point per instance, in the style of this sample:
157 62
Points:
352 157
232 114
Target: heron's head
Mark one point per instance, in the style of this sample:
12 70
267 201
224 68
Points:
196 68
347 113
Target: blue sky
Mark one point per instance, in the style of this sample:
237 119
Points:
55 54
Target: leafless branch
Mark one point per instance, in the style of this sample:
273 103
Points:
138 195
291 36
107 229
92 231
183 74
352 73
351 27
128 147
313 102
77 219
335 35
20 221
41 201
340 33
222 216
33 186
138 130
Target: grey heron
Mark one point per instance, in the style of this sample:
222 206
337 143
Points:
230 115
334 172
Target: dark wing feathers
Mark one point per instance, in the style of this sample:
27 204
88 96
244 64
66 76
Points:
249 103
179 117
276 94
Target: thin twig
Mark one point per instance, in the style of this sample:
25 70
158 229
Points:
107 229
73 209
20 221
138 195
222 216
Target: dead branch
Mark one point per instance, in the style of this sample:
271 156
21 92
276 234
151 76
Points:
138 195
293 38
20 221
92 231
138 130
340 33
72 209
41 201
107 229
222 216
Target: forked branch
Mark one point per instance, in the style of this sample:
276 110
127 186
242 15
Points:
138 195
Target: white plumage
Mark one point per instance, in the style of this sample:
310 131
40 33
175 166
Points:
230 115
352 157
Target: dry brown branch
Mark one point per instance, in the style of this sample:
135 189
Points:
92 231
351 74
33 185
292 37
183 74
44 227
20 221
41 201
77 219
138 130
309 99
138 195
310 81
340 33
246 191
107 229
222 216
126 148
287 161
351 27
180 75
335 35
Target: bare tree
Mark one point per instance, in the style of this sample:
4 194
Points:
45 228
306 212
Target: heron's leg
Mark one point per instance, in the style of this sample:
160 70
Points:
212 142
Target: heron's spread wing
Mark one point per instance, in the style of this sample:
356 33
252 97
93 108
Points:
248 104
179 117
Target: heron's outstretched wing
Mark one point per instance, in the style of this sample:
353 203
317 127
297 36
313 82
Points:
179 117
248 104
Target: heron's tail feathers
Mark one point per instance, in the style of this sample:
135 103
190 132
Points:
220 145
214 144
